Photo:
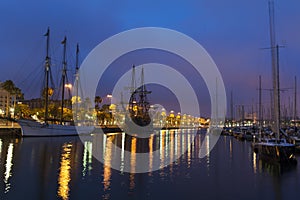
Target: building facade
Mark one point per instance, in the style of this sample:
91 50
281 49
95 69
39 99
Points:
6 102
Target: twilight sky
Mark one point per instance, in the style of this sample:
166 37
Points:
232 31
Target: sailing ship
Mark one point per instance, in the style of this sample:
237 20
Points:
138 119
30 127
275 149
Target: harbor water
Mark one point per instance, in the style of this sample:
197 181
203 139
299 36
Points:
65 168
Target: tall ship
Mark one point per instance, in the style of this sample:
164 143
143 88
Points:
138 117
47 127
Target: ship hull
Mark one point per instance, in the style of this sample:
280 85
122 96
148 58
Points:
276 152
31 128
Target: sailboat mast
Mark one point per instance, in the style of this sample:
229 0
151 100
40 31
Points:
252 111
143 96
278 91
274 57
77 80
64 71
133 83
231 108
132 89
143 89
295 103
217 109
77 60
260 109
47 69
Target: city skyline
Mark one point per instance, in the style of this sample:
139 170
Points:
233 32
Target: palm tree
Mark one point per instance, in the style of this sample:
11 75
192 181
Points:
98 101
13 91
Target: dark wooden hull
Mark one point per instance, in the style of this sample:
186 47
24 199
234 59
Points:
137 126
278 153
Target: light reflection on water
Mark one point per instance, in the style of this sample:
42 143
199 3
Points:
150 145
87 158
106 168
132 162
64 168
8 167
0 147
254 163
122 153
64 177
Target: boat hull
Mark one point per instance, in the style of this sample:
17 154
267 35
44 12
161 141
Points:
279 153
31 128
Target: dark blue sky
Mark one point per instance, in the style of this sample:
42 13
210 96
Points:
232 31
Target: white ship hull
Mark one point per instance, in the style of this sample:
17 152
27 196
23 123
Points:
34 128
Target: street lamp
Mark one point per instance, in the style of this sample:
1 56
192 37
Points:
68 85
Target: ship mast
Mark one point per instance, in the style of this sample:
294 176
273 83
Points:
295 103
76 81
260 110
275 66
231 109
47 69
133 83
64 72
278 91
132 90
143 94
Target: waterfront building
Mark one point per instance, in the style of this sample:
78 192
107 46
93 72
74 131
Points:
6 102
34 103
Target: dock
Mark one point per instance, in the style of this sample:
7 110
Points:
10 128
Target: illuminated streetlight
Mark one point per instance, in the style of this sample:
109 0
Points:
68 85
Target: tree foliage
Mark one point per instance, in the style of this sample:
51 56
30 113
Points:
98 101
10 87
22 110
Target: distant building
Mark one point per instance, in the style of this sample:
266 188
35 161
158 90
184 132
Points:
6 102
34 103
39 103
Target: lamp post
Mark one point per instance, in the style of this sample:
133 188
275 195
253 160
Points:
69 87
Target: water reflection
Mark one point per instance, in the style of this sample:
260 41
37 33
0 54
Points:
273 168
87 158
230 148
159 149
162 148
172 144
254 162
0 147
64 177
8 167
133 162
150 144
64 168
123 153
206 146
107 160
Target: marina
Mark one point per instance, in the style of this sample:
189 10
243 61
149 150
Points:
64 168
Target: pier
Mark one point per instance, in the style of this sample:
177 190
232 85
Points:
10 128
